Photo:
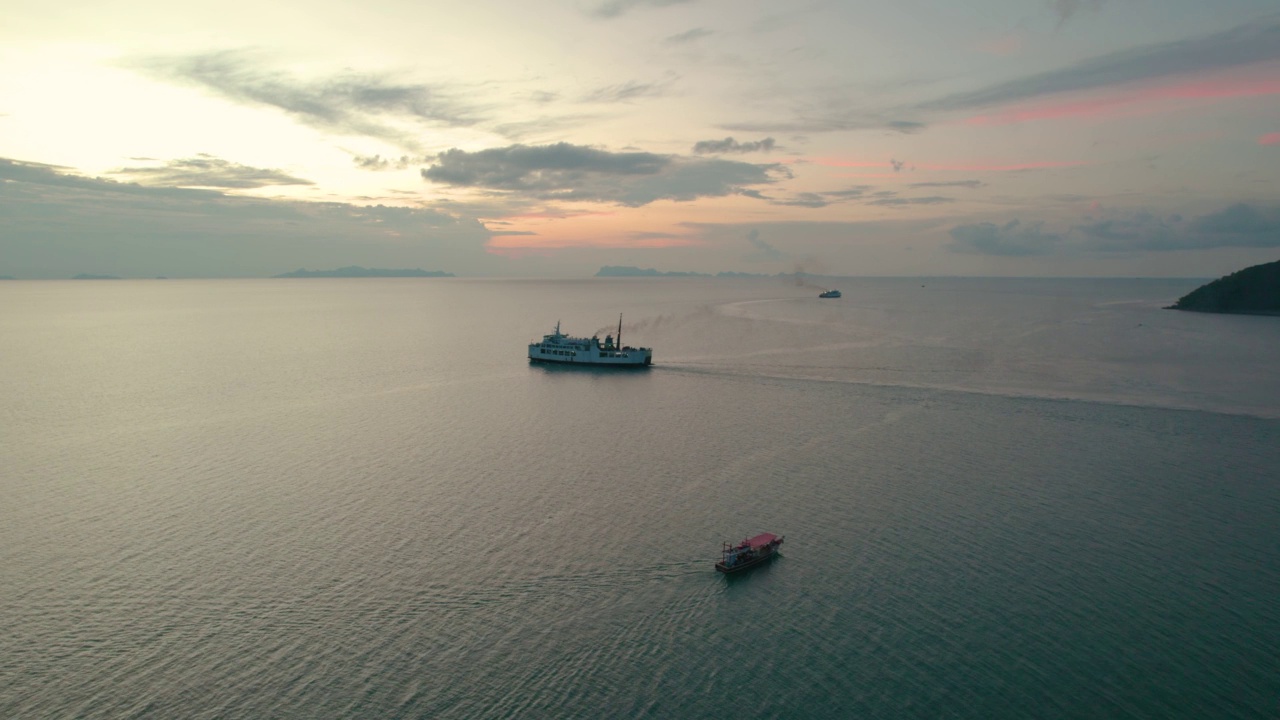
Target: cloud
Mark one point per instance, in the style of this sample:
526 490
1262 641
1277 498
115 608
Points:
208 172
58 224
764 252
1242 225
804 199
971 184
729 145
1270 139
1254 42
539 126
626 92
350 103
897 201
377 162
905 126
1064 9
853 192
618 8
897 164
1010 239
829 121
686 37
578 173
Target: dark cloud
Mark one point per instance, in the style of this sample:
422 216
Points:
1242 225
649 235
686 37
617 8
901 201
764 252
57 224
905 126
806 199
853 192
206 171
574 172
1140 230
828 121
350 103
1253 42
897 164
54 176
1012 238
949 183
377 162
729 145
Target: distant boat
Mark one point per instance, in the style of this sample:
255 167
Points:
560 348
748 553
830 294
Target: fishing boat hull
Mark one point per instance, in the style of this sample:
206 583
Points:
750 553
721 567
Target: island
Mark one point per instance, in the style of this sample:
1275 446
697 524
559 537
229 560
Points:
355 271
1251 291
631 271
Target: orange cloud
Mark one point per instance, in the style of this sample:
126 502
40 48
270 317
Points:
1270 139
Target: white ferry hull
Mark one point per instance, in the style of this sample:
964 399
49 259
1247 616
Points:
629 358
562 349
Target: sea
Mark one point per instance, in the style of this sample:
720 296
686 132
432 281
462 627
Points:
356 498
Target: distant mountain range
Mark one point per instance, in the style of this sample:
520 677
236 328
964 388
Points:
355 271
1252 291
630 271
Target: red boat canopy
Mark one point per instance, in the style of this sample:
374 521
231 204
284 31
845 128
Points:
761 540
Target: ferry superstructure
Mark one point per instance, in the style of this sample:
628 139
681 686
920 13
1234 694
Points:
560 348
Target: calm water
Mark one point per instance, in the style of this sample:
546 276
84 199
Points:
355 499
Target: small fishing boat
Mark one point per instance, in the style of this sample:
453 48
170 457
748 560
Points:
748 553
830 294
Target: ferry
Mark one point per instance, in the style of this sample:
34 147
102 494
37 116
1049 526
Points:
748 553
830 294
560 348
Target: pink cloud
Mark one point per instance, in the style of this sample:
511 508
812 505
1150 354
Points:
1134 100
1270 139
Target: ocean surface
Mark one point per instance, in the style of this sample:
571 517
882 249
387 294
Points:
332 498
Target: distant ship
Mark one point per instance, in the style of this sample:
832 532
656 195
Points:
830 294
560 348
748 553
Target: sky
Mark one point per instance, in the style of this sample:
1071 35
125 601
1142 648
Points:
1073 138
